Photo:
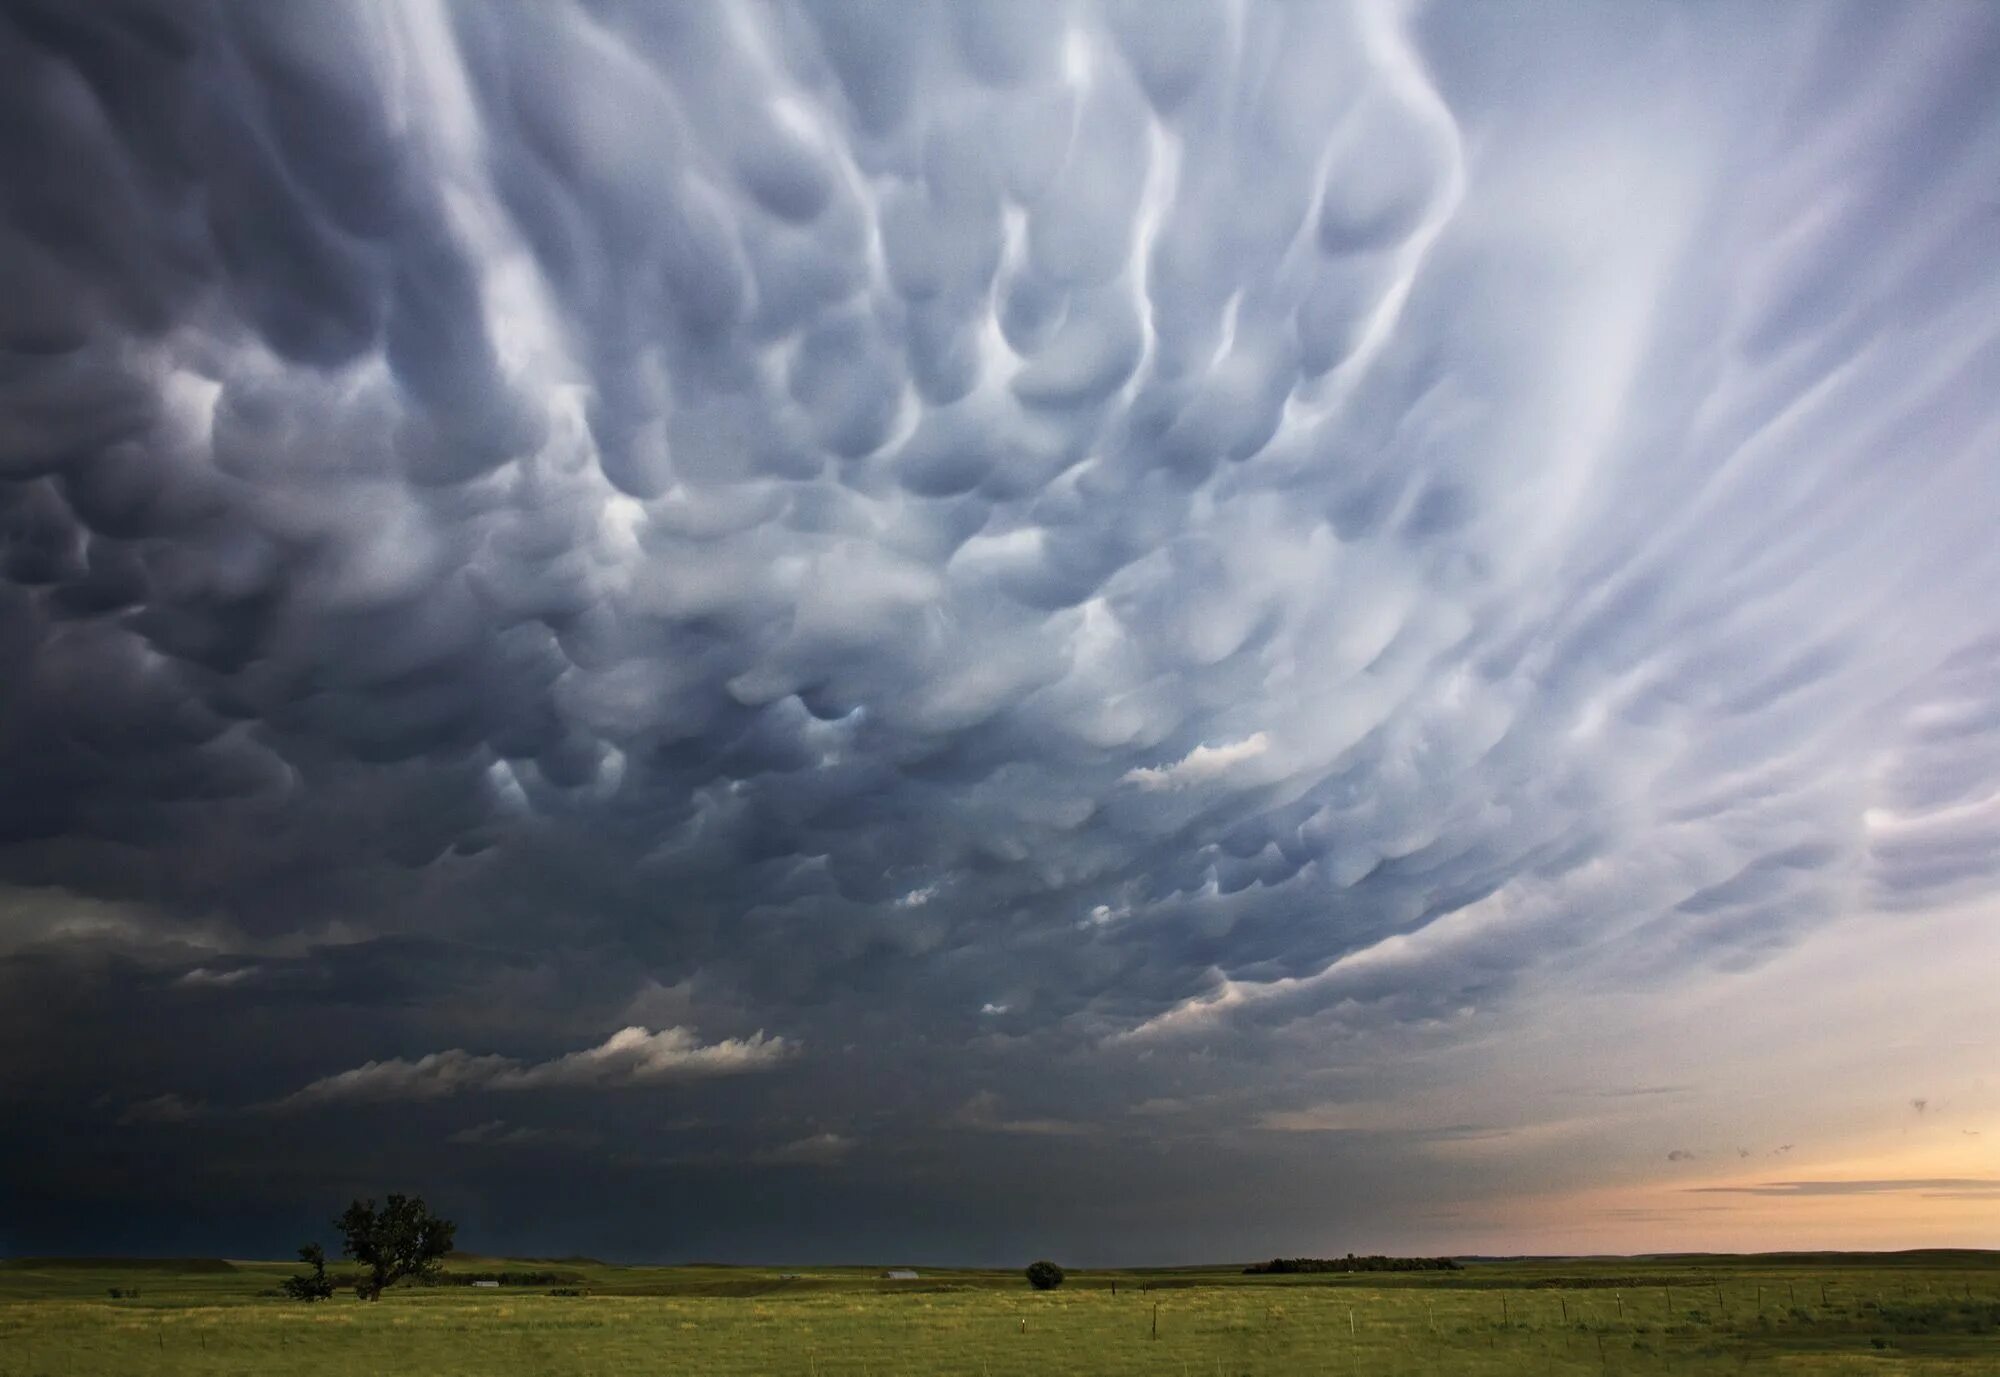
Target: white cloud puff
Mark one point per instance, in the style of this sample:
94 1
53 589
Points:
1200 764
630 1056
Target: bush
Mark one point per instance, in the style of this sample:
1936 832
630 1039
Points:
314 1285
1044 1275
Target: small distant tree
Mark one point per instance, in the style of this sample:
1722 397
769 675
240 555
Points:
402 1239
1044 1275
314 1285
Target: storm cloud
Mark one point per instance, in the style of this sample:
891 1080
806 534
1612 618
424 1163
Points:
1073 554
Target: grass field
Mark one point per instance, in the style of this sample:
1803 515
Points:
1884 1314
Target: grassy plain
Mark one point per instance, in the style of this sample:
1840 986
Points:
1879 1314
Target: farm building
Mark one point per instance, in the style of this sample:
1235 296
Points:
486 1283
899 1274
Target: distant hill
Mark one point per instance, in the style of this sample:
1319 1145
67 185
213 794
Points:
122 1264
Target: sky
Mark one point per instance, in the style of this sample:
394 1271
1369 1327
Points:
948 633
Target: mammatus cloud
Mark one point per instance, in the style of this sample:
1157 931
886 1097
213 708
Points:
823 470
630 1056
1076 551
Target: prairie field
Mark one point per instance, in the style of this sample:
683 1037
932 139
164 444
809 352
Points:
1884 1314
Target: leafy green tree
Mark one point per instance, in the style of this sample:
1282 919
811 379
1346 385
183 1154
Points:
314 1285
1044 1275
402 1239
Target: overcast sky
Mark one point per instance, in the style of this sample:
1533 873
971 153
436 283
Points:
1133 631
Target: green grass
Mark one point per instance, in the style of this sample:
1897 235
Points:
1894 1314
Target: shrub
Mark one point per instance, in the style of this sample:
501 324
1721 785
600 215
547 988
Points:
314 1285
1044 1275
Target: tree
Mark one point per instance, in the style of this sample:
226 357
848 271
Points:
314 1285
403 1239
1044 1275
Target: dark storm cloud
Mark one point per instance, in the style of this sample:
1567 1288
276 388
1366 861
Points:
1005 536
